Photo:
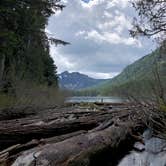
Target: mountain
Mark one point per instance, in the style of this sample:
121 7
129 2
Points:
142 78
77 81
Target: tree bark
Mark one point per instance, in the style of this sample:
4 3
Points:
79 150
24 130
2 67
105 136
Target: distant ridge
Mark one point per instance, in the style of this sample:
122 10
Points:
77 81
136 79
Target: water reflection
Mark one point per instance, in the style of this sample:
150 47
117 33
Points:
110 99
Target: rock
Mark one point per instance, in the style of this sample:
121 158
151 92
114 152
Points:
154 152
155 145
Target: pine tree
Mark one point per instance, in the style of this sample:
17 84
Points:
24 45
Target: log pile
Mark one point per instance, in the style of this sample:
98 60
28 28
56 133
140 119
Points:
70 138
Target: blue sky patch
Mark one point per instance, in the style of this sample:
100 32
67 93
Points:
87 1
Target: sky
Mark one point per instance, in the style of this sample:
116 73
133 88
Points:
98 31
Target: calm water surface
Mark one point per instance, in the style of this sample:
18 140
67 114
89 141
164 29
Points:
110 99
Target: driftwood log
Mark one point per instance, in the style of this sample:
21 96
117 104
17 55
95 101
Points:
71 138
23 130
78 150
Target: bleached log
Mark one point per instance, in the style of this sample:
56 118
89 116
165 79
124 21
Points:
77 150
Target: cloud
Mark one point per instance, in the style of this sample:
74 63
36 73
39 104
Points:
99 37
61 61
112 38
120 3
92 3
117 22
100 75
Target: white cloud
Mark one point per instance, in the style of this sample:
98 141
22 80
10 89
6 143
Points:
99 75
109 3
47 31
80 33
119 3
108 14
118 23
112 28
62 62
64 1
91 3
99 37
94 35
114 38
111 38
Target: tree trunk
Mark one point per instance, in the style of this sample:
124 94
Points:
23 130
86 149
2 67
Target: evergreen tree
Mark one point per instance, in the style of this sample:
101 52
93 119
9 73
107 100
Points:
24 45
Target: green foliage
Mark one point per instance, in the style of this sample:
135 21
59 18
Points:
138 79
162 105
27 71
33 95
6 100
24 44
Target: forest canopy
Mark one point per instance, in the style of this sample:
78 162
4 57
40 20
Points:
26 68
24 43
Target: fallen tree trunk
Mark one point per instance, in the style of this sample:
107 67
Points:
79 150
10 154
106 136
24 130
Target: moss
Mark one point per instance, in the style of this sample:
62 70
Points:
6 100
163 107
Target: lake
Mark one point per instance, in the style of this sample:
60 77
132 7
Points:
110 99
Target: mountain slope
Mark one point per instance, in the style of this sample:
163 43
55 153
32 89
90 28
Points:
77 81
138 78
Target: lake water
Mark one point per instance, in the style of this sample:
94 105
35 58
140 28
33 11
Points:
79 99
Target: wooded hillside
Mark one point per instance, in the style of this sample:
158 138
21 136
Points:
25 60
